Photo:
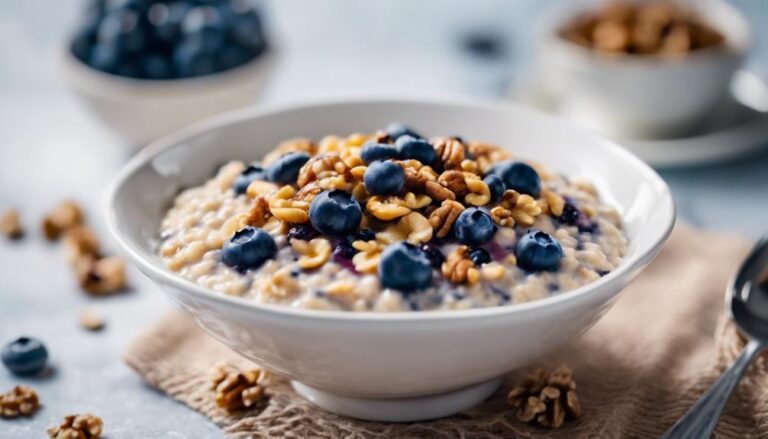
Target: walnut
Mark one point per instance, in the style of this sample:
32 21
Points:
80 242
260 187
454 182
66 215
413 201
366 260
298 144
438 192
10 224
551 203
443 217
285 207
486 154
84 426
417 175
479 192
414 228
259 212
100 276
238 389
381 137
547 399
515 208
308 192
450 152
280 285
19 401
313 253
386 209
320 167
91 321
458 268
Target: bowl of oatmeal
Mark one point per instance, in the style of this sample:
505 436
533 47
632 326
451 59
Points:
393 271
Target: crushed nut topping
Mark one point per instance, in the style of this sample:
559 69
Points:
547 399
65 216
516 208
320 167
80 242
259 213
284 206
486 154
367 258
443 217
450 152
386 209
101 276
10 224
458 268
237 389
84 426
479 192
454 182
91 321
313 253
19 401
551 203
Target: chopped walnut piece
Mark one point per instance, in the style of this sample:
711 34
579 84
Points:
63 217
515 208
19 401
80 242
386 209
259 212
260 187
84 426
91 321
450 152
458 268
366 260
238 389
320 167
283 205
479 192
551 203
10 224
308 192
438 192
546 398
101 276
313 253
486 154
454 181
443 217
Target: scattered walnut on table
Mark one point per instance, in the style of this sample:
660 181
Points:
238 389
65 216
85 426
10 224
546 398
80 242
19 401
100 276
91 321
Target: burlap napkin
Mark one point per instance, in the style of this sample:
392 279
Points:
640 368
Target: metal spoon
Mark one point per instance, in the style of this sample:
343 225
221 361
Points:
748 300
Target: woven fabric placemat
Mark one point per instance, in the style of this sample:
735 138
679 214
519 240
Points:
637 370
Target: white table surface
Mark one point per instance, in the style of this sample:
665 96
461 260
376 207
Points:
51 149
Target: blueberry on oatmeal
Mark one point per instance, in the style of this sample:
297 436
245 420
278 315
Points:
248 249
371 152
474 227
538 251
286 168
397 130
405 226
384 178
412 148
405 267
335 213
249 175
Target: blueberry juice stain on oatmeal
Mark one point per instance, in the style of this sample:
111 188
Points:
391 221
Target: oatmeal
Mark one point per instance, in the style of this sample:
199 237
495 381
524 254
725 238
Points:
391 222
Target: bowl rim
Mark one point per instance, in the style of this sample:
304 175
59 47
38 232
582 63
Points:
734 46
148 264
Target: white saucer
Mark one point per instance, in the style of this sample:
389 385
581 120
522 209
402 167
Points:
739 127
400 409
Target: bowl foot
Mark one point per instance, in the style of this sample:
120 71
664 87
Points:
418 408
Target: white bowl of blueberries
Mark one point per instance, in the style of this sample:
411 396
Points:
148 67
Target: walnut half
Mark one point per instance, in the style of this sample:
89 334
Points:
84 426
546 398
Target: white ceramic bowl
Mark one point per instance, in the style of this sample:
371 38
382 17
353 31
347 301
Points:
632 96
141 110
404 365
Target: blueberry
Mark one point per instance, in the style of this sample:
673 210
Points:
520 177
384 178
248 31
365 234
25 356
410 147
304 232
155 66
405 267
496 185
343 250
335 213
167 20
570 214
205 24
538 251
286 168
395 130
479 256
232 56
248 249
121 27
371 152
435 256
250 174
474 227
191 60
104 57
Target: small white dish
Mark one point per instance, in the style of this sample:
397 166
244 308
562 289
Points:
737 128
141 110
630 95
401 366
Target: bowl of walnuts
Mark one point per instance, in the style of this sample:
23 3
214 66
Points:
641 69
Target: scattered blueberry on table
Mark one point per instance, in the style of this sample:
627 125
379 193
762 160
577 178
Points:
538 251
25 356
153 39
248 249
405 267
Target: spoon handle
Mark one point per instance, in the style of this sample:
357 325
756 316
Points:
701 419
